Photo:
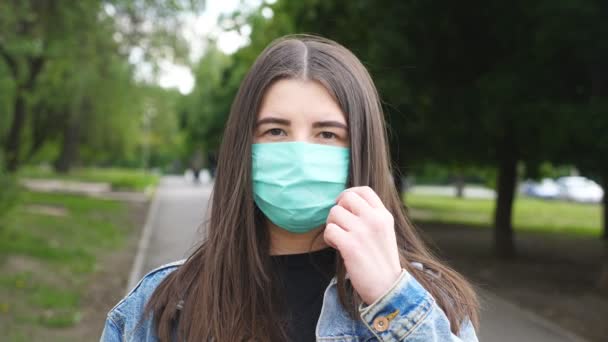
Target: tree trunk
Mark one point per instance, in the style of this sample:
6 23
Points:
605 207
602 283
13 142
69 146
459 185
43 124
12 146
506 178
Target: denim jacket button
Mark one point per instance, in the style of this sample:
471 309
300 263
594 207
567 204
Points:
381 323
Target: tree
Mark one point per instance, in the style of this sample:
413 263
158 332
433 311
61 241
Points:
86 43
204 111
27 32
470 83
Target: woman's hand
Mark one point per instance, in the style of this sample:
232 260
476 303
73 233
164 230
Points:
362 229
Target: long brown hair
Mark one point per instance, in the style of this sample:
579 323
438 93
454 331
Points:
226 284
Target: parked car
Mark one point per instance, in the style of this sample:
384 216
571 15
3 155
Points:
547 188
579 189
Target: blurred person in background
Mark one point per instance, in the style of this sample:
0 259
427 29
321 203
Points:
197 164
212 162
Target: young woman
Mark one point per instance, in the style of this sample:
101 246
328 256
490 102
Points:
307 238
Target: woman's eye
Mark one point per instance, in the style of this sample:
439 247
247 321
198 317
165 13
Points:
275 132
328 135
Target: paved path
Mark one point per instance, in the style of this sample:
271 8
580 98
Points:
173 228
173 224
502 321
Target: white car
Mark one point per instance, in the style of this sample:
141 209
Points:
547 188
580 189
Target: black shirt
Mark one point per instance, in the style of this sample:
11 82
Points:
303 279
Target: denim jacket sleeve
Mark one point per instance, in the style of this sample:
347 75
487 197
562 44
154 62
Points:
126 321
110 333
407 312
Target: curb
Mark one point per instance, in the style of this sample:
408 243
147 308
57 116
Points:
144 242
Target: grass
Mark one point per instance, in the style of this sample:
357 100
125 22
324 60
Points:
45 260
118 178
530 215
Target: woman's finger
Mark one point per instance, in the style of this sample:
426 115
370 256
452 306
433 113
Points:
368 195
335 236
343 218
353 202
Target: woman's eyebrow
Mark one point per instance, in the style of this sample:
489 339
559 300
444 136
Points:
337 124
273 120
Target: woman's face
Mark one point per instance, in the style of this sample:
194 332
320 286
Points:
304 111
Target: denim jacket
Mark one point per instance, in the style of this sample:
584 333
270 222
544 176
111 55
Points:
406 312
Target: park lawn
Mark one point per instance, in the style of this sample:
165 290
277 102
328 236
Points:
530 215
49 244
118 178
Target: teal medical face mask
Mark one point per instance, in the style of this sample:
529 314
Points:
295 184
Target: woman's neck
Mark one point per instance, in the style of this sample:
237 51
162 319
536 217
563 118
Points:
285 242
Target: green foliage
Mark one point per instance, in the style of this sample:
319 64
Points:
437 173
457 78
205 110
162 140
218 76
70 64
548 170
